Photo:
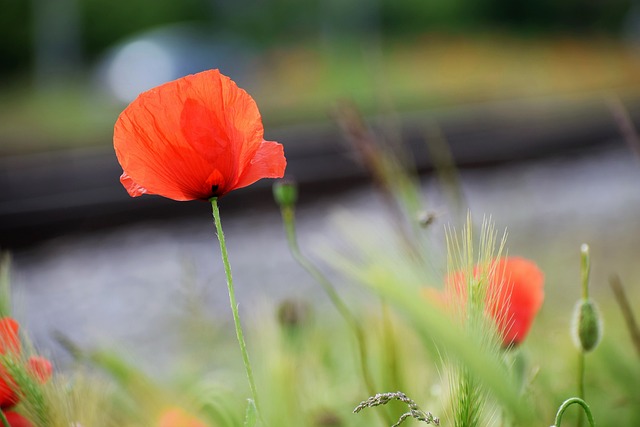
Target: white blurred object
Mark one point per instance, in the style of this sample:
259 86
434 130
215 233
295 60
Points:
139 66
164 54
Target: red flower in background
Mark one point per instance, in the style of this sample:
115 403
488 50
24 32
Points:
9 339
9 343
178 417
17 420
39 367
515 292
194 138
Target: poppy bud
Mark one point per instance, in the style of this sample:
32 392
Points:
328 419
586 327
285 193
292 313
425 219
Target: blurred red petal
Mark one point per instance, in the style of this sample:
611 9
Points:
9 338
515 294
16 420
8 396
40 367
178 417
518 287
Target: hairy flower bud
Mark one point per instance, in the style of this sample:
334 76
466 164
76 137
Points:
587 326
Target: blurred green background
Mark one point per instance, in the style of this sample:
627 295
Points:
68 67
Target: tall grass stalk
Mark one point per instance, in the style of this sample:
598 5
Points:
469 394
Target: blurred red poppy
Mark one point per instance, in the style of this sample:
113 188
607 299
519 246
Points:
8 395
40 368
174 417
514 294
194 138
17 420
9 339
37 366
9 342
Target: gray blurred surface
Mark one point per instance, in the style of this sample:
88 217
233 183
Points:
51 193
126 285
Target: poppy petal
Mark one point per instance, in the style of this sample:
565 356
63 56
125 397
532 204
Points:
155 157
16 420
522 294
8 395
514 295
40 368
174 417
220 119
268 162
9 338
132 188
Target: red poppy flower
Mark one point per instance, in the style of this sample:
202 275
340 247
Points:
194 138
9 339
40 368
9 342
514 294
174 417
8 395
37 366
17 420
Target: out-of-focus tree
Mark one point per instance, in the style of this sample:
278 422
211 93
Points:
15 33
101 23
104 22
577 16
519 16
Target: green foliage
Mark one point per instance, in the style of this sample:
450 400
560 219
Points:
106 22
16 35
521 16
307 374
469 400
417 16
103 23
251 415
5 284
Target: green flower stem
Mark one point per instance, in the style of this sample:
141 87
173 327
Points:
580 382
585 270
234 305
289 220
570 402
5 423
581 375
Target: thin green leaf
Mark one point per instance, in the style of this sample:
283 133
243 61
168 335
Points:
251 414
